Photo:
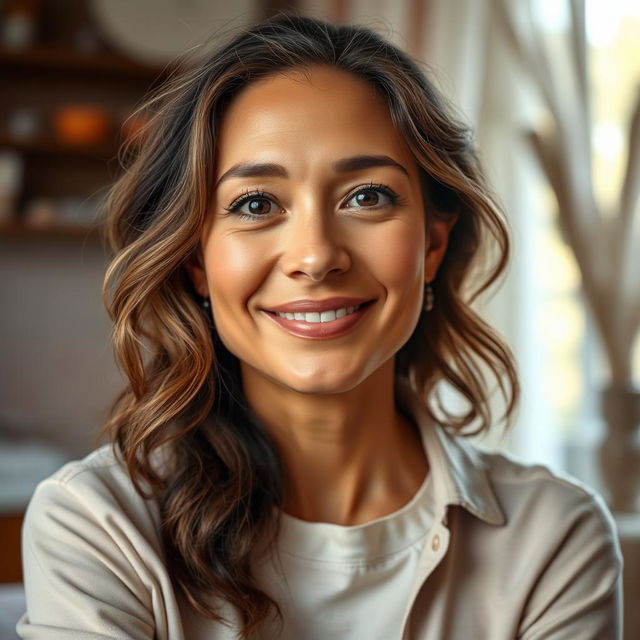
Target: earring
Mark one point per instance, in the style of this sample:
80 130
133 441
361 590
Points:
428 297
205 303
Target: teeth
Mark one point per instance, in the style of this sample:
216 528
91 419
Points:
327 316
315 316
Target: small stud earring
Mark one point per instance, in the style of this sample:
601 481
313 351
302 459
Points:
428 297
206 304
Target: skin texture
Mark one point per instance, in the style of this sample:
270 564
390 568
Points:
349 455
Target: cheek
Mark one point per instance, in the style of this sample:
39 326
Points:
398 256
234 271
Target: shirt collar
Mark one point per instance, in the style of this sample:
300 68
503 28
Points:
460 477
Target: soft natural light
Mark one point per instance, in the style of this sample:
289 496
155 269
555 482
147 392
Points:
608 140
604 19
613 35
553 14
615 74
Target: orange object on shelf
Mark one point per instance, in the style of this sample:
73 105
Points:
82 124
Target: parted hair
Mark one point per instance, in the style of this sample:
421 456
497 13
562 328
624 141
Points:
219 503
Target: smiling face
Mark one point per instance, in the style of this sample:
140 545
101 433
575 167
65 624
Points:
315 255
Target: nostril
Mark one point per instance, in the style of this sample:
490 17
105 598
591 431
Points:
315 260
316 272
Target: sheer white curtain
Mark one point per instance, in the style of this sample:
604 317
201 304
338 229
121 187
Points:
465 47
465 43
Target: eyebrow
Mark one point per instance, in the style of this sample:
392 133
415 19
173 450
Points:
271 170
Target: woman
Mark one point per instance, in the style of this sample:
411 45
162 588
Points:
293 249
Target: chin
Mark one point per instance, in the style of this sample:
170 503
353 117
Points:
313 388
322 383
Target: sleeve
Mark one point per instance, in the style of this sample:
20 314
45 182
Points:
79 582
578 595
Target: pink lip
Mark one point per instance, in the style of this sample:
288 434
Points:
320 330
309 306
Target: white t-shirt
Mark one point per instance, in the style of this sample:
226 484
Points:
349 582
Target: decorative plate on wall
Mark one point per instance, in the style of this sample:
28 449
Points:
156 31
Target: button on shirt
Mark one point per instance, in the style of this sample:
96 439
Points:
489 548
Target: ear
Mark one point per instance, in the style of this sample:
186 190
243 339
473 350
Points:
197 274
437 241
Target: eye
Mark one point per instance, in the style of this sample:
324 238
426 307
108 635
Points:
252 205
256 206
372 196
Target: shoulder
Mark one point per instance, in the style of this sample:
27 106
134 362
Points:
535 490
548 514
100 473
93 491
103 463
556 555
93 556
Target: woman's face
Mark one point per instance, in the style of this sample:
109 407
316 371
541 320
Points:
315 254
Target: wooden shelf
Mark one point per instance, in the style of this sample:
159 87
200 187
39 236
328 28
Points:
19 229
11 568
67 178
53 147
70 61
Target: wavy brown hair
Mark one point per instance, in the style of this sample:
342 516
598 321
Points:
184 394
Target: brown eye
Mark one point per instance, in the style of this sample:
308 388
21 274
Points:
371 197
367 198
252 205
256 206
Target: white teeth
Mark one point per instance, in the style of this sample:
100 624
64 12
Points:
315 316
327 316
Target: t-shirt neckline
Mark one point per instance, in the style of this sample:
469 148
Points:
383 536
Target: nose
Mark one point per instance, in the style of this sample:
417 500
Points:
314 249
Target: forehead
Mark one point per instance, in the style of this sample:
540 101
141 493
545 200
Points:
315 112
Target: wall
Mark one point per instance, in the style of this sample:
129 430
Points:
57 373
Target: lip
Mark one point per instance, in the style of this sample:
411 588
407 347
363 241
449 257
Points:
321 330
309 306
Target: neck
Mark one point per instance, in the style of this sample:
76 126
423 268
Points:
349 457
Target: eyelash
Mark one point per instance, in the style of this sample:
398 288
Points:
238 203
247 196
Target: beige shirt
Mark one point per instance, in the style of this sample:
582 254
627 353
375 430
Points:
510 551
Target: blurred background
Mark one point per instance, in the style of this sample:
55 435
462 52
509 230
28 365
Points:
551 88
